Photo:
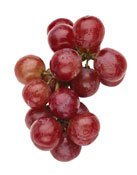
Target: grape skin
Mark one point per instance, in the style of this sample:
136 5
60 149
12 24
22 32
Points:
112 84
110 65
86 83
46 133
60 37
57 22
34 114
66 150
82 109
88 32
28 68
83 129
64 103
36 93
66 64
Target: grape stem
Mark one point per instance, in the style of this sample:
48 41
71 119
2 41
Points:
86 65
64 123
48 83
86 55
57 86
44 73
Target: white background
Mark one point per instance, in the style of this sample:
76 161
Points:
23 26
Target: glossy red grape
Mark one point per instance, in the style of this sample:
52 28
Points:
111 84
60 37
34 114
36 93
110 65
83 128
82 109
89 33
66 150
66 64
86 83
28 68
64 103
59 21
46 133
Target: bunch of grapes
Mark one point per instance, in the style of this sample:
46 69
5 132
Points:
57 120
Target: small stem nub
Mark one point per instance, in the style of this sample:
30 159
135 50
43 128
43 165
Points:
43 73
92 56
48 83
86 65
86 55
48 73
57 86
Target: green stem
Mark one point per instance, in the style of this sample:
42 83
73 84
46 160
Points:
48 73
57 86
48 83
92 56
86 65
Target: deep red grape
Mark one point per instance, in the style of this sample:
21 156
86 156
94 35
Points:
36 93
46 133
59 21
34 114
82 109
111 84
28 68
64 103
60 37
66 64
110 65
66 150
89 33
83 128
86 83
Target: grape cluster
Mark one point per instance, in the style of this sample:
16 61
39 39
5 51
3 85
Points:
57 120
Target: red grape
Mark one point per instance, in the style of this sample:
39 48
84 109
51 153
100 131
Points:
66 64
59 21
110 65
86 83
36 93
64 103
83 128
46 133
89 33
82 109
28 68
66 150
34 114
111 84
60 37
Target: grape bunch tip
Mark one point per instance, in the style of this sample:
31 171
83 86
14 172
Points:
57 120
